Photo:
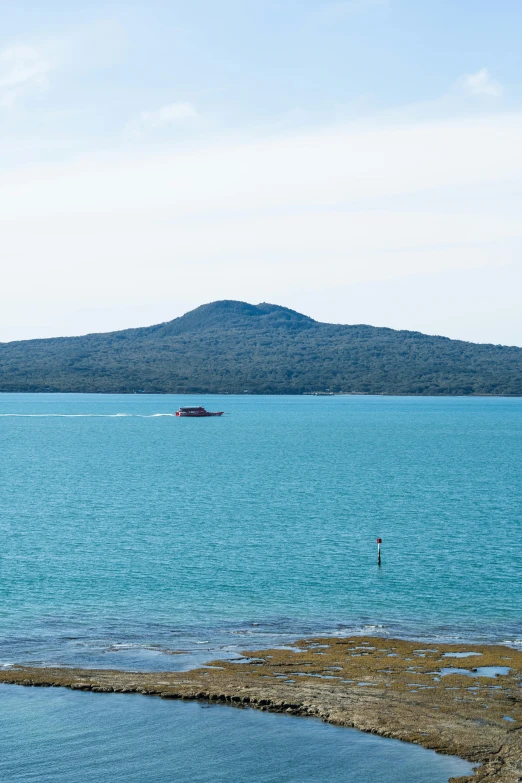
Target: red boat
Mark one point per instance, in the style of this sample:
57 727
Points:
197 412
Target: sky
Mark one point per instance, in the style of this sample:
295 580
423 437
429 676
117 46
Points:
356 160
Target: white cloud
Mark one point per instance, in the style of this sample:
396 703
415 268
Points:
482 83
171 114
324 168
281 218
23 69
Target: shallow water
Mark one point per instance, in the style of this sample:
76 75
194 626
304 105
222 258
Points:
128 533
479 671
59 736
461 654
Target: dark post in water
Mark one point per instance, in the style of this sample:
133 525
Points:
379 542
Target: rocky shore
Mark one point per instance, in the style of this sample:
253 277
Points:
405 690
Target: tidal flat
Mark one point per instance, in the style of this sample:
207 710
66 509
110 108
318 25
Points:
461 700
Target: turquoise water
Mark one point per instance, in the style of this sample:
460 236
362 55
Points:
60 736
127 533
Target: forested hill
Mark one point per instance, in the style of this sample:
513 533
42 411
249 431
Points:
236 347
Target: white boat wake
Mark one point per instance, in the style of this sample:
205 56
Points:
85 415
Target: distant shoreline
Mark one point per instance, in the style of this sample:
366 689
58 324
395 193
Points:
263 394
236 347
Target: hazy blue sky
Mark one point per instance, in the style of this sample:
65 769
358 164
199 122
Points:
358 160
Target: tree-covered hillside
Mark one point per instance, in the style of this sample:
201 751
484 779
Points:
235 347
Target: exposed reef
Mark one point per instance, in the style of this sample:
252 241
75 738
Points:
389 687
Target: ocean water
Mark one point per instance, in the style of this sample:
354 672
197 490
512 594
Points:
134 539
60 736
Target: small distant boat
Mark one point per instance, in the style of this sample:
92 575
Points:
198 412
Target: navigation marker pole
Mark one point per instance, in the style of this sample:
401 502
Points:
379 542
